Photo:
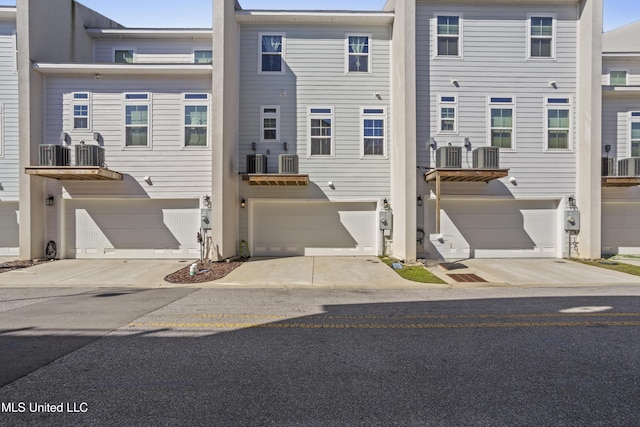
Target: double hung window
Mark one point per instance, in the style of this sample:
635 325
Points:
81 107
269 123
634 133
321 131
136 119
196 119
447 114
448 35
358 53
373 131
271 53
541 36
501 122
558 123
202 57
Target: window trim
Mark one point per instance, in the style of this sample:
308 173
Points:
553 37
264 115
118 48
88 102
626 77
321 115
551 105
141 101
493 103
203 99
347 54
282 53
2 137
375 116
193 56
435 34
631 119
444 104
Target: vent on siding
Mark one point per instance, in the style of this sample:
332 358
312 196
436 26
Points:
449 157
486 158
54 155
288 163
629 167
608 166
89 155
256 163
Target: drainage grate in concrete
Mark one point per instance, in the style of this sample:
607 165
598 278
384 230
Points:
466 277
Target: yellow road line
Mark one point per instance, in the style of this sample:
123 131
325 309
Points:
207 325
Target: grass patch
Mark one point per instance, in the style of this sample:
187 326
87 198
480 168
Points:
611 265
414 273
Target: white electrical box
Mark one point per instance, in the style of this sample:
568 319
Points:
572 220
386 220
205 219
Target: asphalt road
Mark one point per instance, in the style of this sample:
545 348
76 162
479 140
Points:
218 357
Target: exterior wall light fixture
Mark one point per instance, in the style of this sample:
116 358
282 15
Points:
243 203
49 200
420 200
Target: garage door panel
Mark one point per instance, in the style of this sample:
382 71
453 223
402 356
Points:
498 229
124 229
621 228
318 228
9 234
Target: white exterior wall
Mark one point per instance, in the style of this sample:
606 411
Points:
9 170
151 51
315 77
176 171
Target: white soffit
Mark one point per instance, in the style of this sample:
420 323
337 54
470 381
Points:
313 17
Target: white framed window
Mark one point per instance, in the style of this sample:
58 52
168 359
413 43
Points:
271 52
541 36
634 134
617 77
202 56
196 119
124 56
1 130
81 111
269 123
502 122
447 114
557 123
373 132
448 35
321 135
137 113
358 53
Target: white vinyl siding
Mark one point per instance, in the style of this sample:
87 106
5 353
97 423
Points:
9 163
541 36
149 51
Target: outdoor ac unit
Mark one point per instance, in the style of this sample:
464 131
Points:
608 166
449 157
256 163
486 158
89 155
629 167
54 155
288 163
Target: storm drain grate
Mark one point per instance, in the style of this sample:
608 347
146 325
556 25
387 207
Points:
466 277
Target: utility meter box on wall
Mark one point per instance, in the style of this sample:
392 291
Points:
205 219
386 220
572 220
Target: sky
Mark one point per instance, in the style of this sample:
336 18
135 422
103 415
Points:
197 13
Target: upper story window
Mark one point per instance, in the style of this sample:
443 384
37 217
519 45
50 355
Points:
123 56
558 123
541 36
202 56
634 133
501 122
358 53
321 131
449 36
617 78
271 53
196 119
136 108
269 123
81 108
373 131
448 114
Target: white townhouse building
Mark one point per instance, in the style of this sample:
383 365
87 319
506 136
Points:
427 129
9 170
621 140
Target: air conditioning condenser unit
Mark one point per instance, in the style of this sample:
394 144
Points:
89 155
54 155
486 158
256 163
449 157
288 163
608 166
629 167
